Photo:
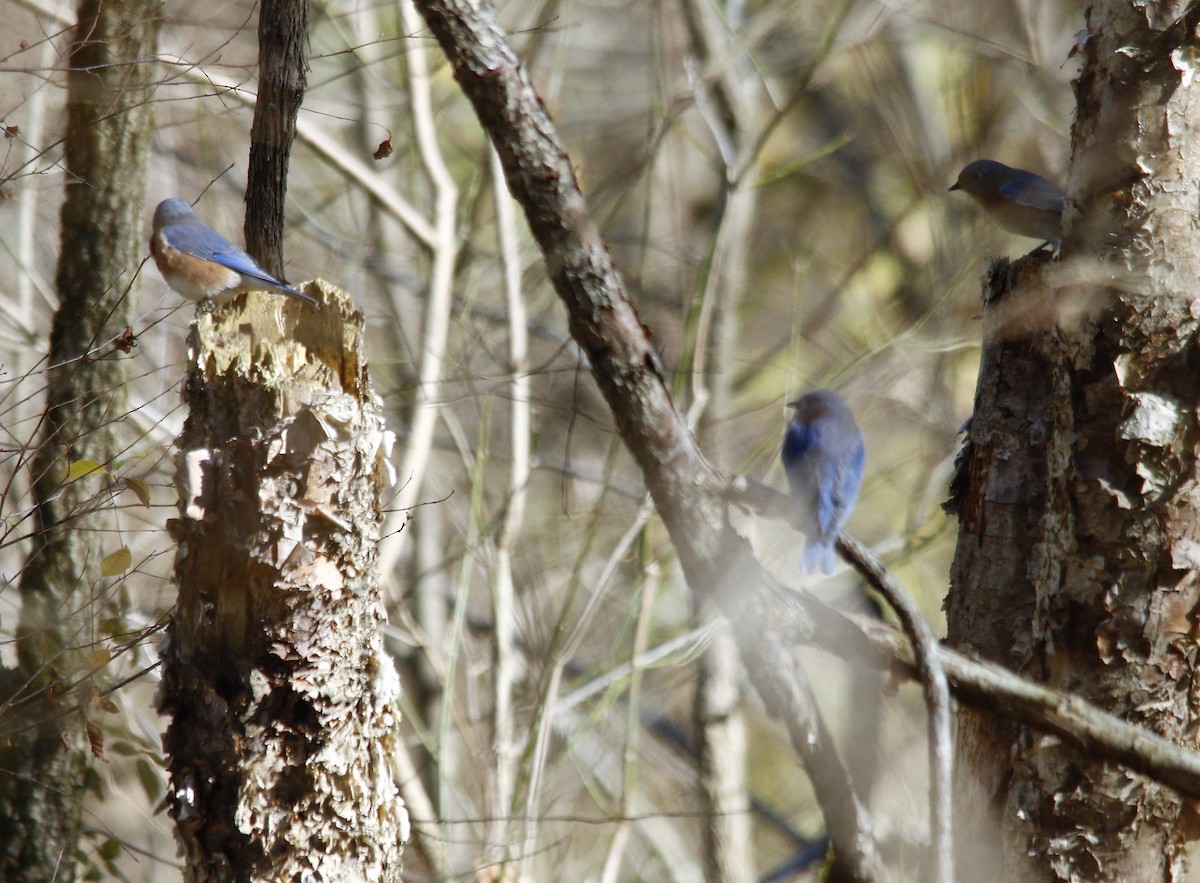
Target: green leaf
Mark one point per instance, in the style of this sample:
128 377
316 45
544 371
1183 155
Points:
150 777
124 748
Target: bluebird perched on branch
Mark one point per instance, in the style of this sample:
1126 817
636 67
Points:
201 264
823 457
1019 201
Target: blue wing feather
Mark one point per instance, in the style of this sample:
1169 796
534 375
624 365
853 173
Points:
205 243
823 457
1033 190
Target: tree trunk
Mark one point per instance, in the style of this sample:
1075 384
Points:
282 741
109 118
1077 558
282 81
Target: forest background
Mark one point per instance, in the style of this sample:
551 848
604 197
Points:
836 259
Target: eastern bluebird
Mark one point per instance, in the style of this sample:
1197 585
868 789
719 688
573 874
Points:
823 457
200 264
1019 201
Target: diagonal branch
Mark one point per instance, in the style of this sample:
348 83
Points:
687 491
925 656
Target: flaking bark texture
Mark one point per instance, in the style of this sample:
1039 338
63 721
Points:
1078 551
283 702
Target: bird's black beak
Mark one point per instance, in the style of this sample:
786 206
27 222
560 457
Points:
952 187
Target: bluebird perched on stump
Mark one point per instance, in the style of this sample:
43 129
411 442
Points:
823 457
1019 201
201 264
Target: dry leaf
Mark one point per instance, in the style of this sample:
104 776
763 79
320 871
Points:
96 741
140 489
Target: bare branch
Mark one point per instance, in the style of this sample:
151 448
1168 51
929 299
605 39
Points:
603 320
436 325
993 687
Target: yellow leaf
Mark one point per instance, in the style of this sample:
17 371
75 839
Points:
80 468
140 489
117 562
98 658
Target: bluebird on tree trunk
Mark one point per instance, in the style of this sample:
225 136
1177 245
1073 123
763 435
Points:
1019 201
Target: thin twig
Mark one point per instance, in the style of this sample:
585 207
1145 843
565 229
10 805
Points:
929 668
504 748
561 655
633 726
436 327
937 700
327 148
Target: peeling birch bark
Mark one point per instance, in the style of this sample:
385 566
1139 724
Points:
284 721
